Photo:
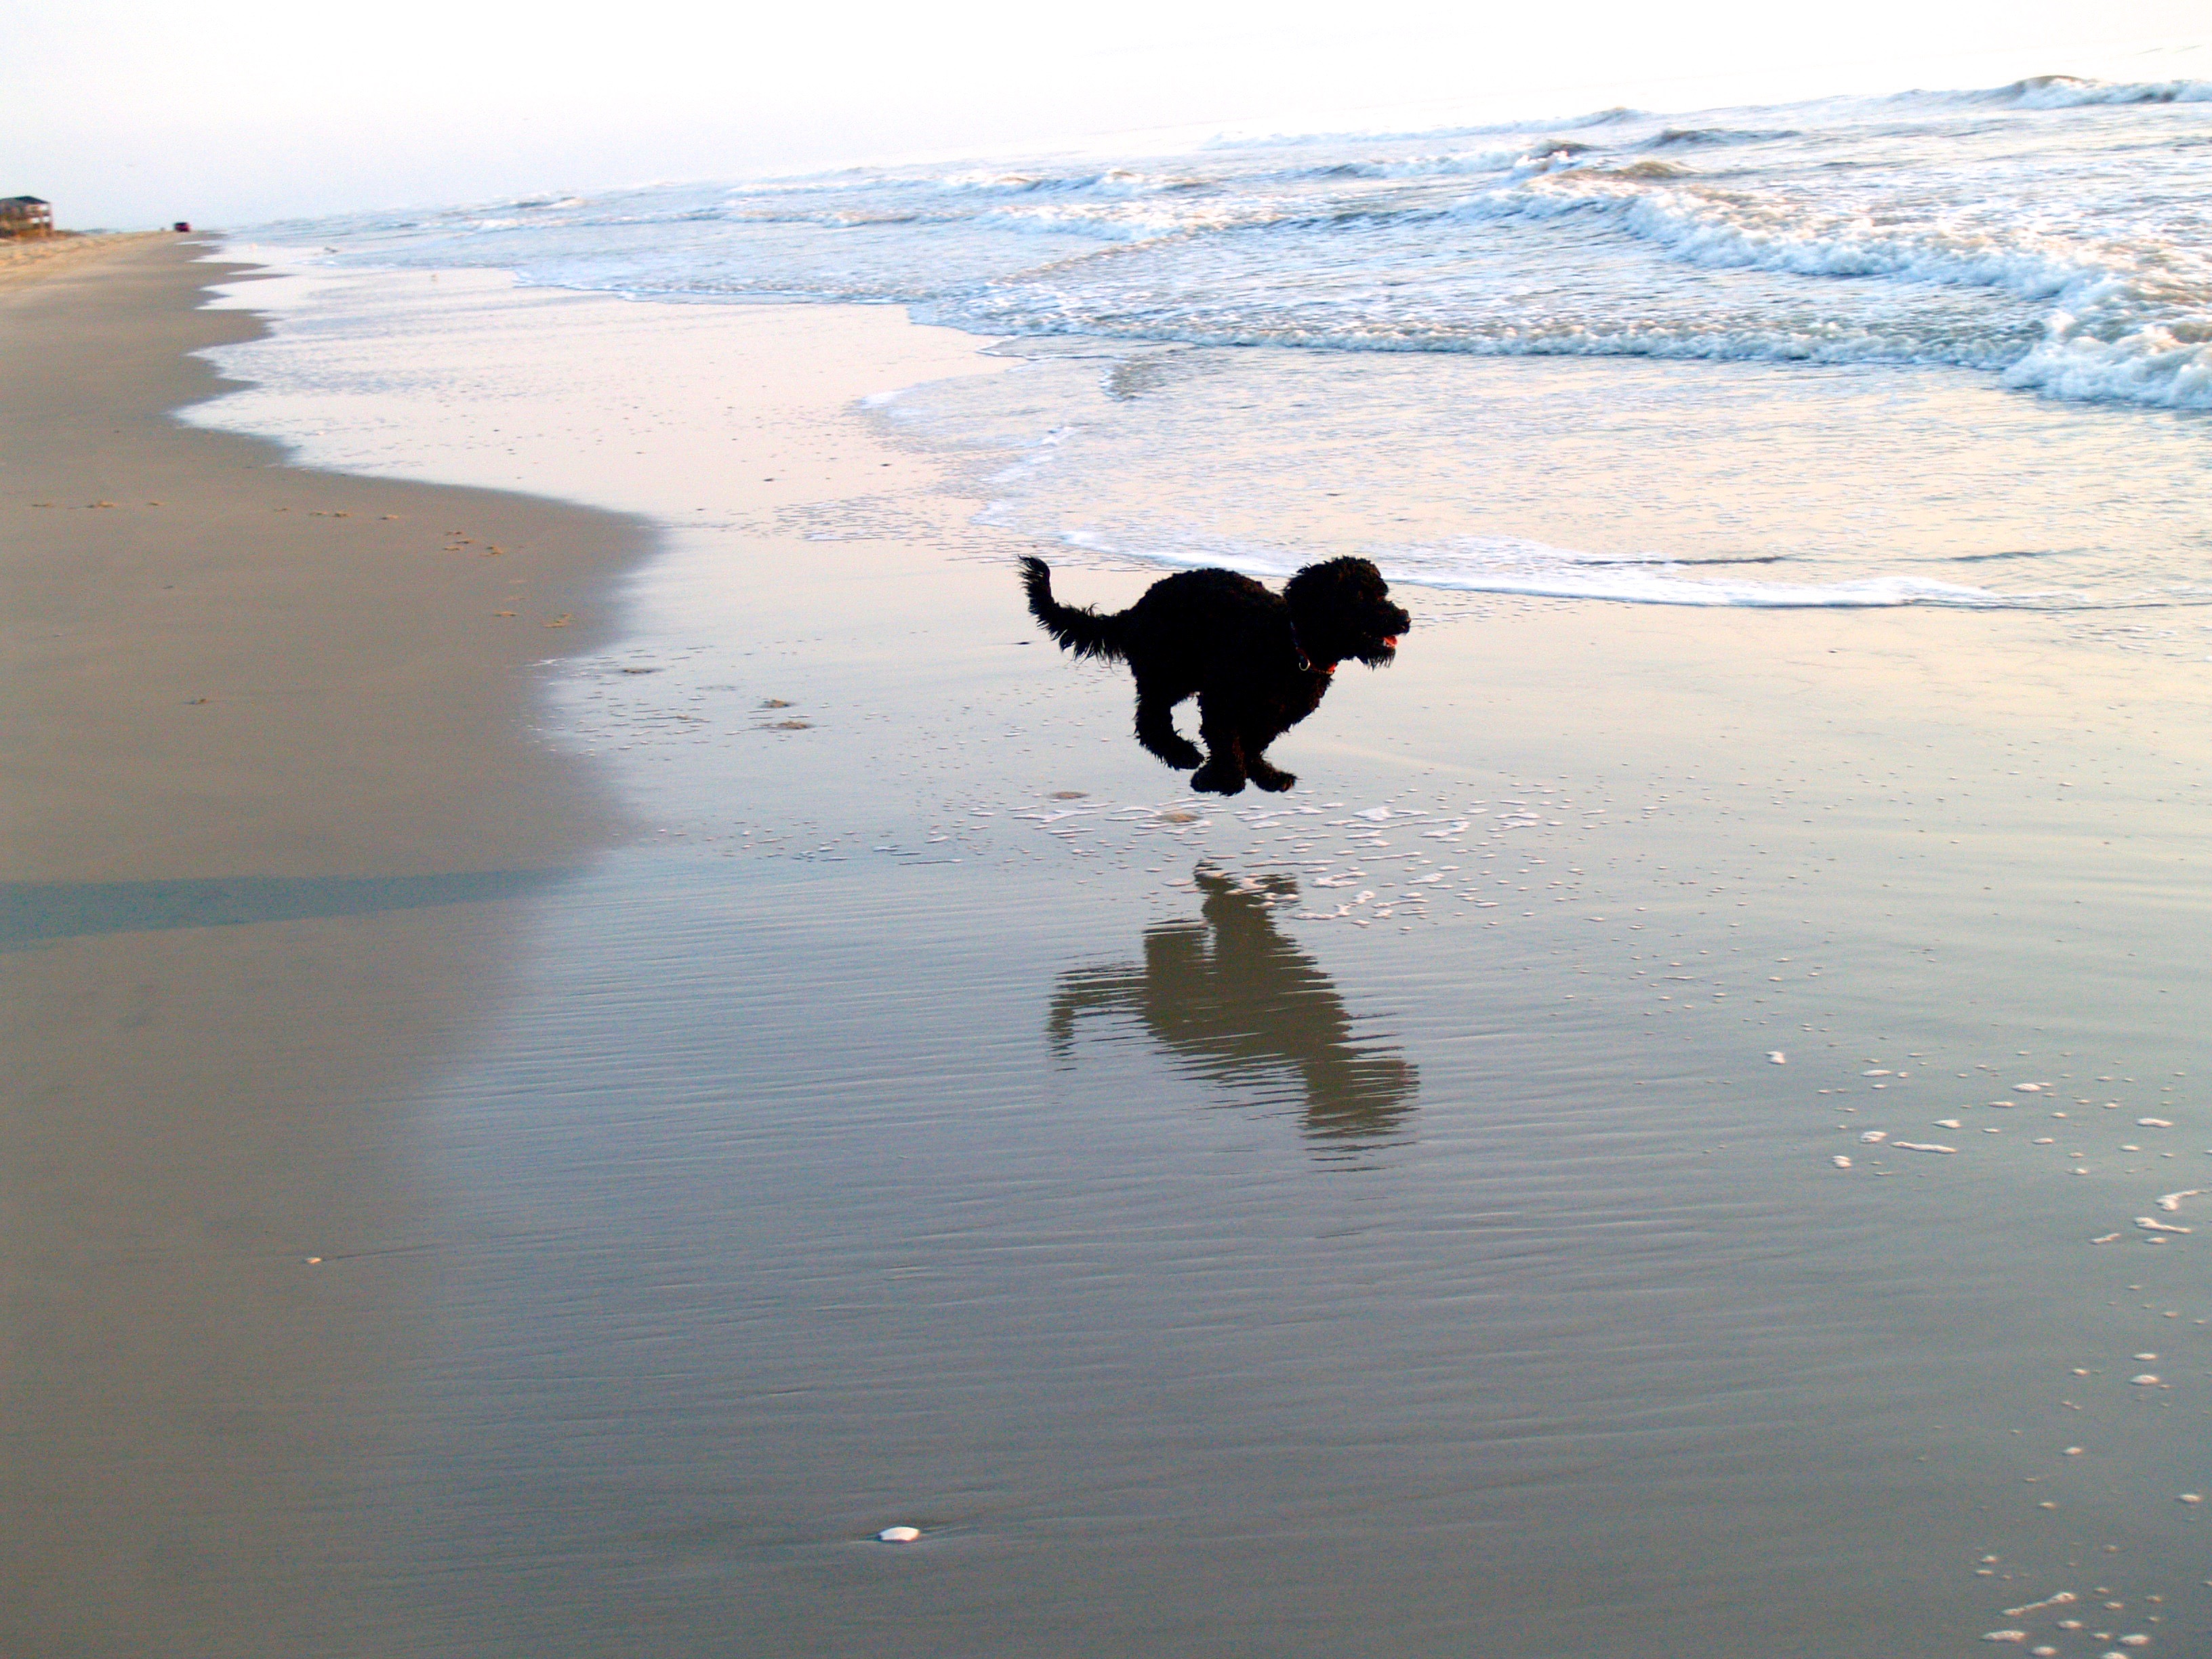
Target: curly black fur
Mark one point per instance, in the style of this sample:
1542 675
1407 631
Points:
1257 662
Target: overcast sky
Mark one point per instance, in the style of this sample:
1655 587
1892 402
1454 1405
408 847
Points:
128 113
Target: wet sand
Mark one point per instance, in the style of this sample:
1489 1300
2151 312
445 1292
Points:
273 801
1363 1220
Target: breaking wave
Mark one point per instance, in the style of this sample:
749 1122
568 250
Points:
2053 233
2072 92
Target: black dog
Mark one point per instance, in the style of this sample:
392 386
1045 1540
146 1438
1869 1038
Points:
1257 662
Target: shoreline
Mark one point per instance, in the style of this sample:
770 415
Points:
275 795
357 628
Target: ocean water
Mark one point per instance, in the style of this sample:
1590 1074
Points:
1676 1138
2053 233
1262 353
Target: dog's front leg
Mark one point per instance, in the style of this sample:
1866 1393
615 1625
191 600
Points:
1224 771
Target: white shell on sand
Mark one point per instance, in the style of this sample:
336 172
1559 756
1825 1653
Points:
899 1535
1776 1057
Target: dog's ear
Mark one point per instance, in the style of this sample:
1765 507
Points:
1335 585
1312 586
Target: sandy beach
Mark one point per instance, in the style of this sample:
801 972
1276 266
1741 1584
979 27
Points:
1619 1150
24 260
271 792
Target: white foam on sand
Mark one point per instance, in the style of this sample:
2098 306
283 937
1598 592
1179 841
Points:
466 377
1506 565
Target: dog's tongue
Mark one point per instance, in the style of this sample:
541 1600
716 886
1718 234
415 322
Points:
1390 639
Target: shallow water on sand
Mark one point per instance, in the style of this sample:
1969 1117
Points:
1616 1160
1199 1268
1694 484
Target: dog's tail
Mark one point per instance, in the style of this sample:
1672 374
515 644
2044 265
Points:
1080 629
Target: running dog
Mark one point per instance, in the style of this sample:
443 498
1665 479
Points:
1257 662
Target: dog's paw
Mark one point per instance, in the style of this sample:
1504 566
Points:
1213 780
1184 758
1275 781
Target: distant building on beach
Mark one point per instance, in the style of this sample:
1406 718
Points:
26 215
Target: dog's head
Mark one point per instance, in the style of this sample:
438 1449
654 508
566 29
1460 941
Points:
1342 609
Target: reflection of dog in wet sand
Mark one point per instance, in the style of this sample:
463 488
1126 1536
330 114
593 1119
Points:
1234 999
1257 662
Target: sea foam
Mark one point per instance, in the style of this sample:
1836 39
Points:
2052 234
1530 569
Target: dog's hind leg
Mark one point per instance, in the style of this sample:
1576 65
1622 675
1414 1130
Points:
1156 730
1224 773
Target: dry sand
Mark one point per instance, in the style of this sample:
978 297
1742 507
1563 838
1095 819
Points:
28 258
236 693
